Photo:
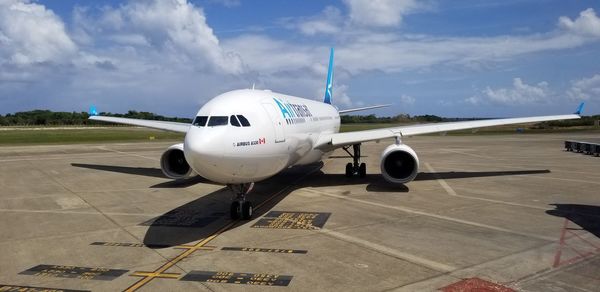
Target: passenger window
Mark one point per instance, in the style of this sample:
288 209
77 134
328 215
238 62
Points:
234 122
217 121
243 121
200 121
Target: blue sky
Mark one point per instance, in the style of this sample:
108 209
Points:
451 58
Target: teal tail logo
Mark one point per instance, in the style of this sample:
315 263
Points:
328 87
93 111
580 108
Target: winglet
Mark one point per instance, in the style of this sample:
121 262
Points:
328 87
580 108
93 111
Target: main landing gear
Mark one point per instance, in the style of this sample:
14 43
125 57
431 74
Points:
355 168
240 208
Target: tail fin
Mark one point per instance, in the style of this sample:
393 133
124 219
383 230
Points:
93 111
328 87
580 108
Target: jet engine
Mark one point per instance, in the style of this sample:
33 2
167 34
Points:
399 164
173 163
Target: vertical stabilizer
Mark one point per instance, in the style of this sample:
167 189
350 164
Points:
328 87
93 111
580 108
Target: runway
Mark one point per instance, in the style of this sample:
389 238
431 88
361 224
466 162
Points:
514 212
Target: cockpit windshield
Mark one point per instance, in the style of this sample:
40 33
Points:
218 121
200 121
243 121
213 121
234 121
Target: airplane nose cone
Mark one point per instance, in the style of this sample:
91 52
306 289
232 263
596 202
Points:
203 149
193 140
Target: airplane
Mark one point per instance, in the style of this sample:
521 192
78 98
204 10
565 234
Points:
245 136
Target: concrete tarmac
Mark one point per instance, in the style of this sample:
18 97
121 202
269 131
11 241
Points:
512 212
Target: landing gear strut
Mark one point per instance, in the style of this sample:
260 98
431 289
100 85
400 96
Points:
355 168
240 208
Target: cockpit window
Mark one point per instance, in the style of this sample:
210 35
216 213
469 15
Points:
234 121
217 121
243 121
200 121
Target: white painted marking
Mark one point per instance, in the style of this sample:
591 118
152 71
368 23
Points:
451 192
77 212
129 154
442 217
556 167
537 176
70 202
468 154
390 251
64 157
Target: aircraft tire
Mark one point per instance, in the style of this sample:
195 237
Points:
247 210
362 170
235 210
349 170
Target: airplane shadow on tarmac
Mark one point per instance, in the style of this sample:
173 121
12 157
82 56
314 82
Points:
204 216
586 216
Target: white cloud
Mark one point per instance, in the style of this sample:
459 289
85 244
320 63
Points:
393 53
586 24
148 51
175 29
329 21
227 3
152 55
180 24
340 95
473 100
365 49
131 39
407 99
267 55
585 89
519 93
30 33
381 13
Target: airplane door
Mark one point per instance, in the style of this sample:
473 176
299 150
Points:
277 122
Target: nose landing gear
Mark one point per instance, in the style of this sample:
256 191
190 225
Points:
355 168
240 208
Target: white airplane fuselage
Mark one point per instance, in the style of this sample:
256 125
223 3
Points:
283 131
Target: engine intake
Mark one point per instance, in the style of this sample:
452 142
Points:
173 163
399 164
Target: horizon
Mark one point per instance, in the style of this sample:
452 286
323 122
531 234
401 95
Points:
462 59
356 115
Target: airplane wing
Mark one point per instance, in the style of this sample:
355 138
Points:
362 108
161 125
336 140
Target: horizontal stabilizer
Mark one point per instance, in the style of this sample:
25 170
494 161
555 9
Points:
362 108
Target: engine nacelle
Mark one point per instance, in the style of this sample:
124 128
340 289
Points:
173 163
399 164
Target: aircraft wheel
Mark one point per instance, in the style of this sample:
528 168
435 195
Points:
349 170
235 210
362 170
247 210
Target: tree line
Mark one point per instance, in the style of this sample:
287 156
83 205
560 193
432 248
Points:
51 118
403 118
